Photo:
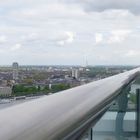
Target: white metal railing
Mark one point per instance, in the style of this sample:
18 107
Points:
64 115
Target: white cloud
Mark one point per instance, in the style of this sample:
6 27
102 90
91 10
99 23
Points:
3 39
132 53
98 38
117 36
16 47
70 36
112 37
30 37
39 26
33 36
61 42
66 38
48 11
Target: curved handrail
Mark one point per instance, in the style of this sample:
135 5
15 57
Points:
63 115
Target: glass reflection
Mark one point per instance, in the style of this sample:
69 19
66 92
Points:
119 122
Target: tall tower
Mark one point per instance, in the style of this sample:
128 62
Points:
15 71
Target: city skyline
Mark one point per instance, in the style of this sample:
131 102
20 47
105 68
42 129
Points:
60 32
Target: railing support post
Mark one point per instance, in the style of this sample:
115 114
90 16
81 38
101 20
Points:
138 112
122 107
90 134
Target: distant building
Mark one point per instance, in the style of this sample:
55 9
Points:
5 91
15 71
75 73
50 69
50 86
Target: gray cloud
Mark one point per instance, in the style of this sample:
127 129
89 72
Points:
89 5
101 5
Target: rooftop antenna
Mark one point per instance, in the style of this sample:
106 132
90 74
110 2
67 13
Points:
86 61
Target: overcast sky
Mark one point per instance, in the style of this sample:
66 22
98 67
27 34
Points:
68 32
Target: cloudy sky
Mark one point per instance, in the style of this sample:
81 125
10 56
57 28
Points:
67 32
